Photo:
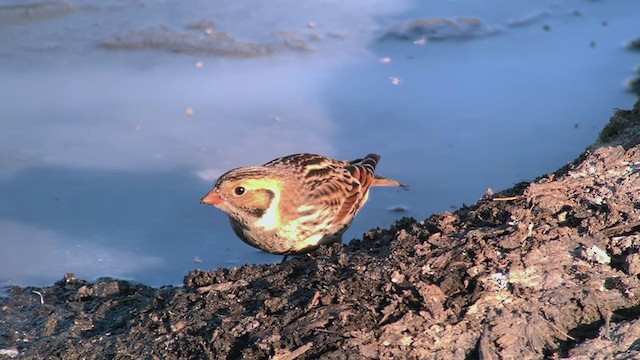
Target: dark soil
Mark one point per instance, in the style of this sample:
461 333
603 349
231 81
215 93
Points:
547 269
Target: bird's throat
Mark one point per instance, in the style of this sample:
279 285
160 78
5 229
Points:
271 218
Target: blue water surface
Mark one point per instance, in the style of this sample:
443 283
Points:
102 167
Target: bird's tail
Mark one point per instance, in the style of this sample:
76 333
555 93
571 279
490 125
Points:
379 180
370 162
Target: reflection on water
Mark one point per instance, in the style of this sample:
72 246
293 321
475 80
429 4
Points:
105 153
36 253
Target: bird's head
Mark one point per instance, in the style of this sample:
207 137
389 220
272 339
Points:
246 193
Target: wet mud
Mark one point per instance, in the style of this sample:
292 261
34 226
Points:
210 42
439 28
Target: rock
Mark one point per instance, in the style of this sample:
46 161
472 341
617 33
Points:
633 44
632 264
440 29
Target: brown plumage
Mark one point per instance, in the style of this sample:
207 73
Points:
296 203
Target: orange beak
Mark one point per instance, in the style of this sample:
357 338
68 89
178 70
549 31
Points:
212 198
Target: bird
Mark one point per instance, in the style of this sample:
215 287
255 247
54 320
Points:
295 204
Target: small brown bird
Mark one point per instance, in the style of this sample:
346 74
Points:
295 204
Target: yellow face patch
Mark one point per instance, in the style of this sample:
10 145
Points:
269 184
270 219
251 196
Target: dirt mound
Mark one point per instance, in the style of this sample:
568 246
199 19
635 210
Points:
545 269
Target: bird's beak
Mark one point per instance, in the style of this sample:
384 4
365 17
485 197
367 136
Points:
212 198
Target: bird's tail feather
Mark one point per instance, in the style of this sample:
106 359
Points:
379 180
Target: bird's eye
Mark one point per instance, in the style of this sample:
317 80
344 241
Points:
239 190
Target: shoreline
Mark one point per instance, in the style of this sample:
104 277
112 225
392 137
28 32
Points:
546 268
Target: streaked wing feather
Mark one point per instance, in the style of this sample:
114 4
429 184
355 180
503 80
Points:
345 210
337 186
362 174
301 161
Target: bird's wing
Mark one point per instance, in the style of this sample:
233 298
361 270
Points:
335 190
363 174
357 186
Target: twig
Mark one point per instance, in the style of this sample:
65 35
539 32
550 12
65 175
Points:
41 297
529 232
620 229
331 332
558 329
510 198
291 355
314 301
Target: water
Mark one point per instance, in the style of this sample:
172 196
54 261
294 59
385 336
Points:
101 169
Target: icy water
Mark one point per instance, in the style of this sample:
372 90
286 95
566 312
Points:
105 150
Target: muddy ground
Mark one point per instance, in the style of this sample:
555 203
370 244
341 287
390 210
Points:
547 269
